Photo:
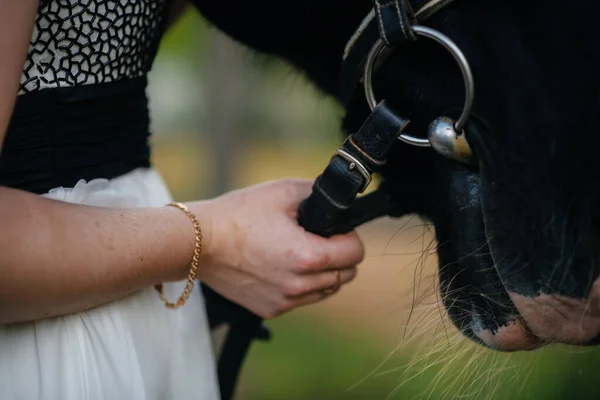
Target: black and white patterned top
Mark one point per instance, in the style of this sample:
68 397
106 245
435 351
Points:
82 42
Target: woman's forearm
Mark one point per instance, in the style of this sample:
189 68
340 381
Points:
58 258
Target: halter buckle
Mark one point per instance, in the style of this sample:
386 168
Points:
354 164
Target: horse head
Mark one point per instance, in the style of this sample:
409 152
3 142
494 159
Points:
518 233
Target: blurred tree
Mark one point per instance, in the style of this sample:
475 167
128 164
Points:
225 84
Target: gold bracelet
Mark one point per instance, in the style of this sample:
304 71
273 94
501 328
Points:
194 264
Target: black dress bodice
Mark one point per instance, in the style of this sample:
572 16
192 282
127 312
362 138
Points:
82 110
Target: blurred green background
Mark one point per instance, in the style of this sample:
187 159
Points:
223 118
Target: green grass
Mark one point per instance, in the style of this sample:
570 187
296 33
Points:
309 359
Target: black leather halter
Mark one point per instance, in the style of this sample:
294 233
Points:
383 21
333 206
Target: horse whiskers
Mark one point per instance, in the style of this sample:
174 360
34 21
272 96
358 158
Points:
436 381
442 358
444 354
426 322
386 359
447 354
470 381
420 269
398 231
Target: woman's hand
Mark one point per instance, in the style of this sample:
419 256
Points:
258 256
254 252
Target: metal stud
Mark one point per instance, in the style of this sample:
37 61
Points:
448 142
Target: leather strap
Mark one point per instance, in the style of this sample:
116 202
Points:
376 204
374 27
244 327
395 18
333 206
348 173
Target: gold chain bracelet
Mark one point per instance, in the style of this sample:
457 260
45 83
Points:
189 286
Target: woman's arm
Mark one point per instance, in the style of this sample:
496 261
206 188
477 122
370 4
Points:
58 258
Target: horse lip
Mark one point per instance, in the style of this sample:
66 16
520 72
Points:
544 319
504 329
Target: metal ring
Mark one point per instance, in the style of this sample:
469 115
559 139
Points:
458 56
337 285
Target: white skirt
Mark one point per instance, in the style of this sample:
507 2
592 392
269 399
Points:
130 349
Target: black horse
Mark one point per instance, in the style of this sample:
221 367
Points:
517 234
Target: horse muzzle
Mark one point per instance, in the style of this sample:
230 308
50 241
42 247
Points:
516 275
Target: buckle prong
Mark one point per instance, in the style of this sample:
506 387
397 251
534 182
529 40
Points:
354 164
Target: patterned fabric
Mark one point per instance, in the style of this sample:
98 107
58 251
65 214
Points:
82 42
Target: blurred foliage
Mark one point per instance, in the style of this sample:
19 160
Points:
279 104
186 37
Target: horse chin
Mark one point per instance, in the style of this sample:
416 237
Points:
478 301
540 320
473 293
513 336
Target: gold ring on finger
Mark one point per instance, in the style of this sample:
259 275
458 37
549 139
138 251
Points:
337 284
